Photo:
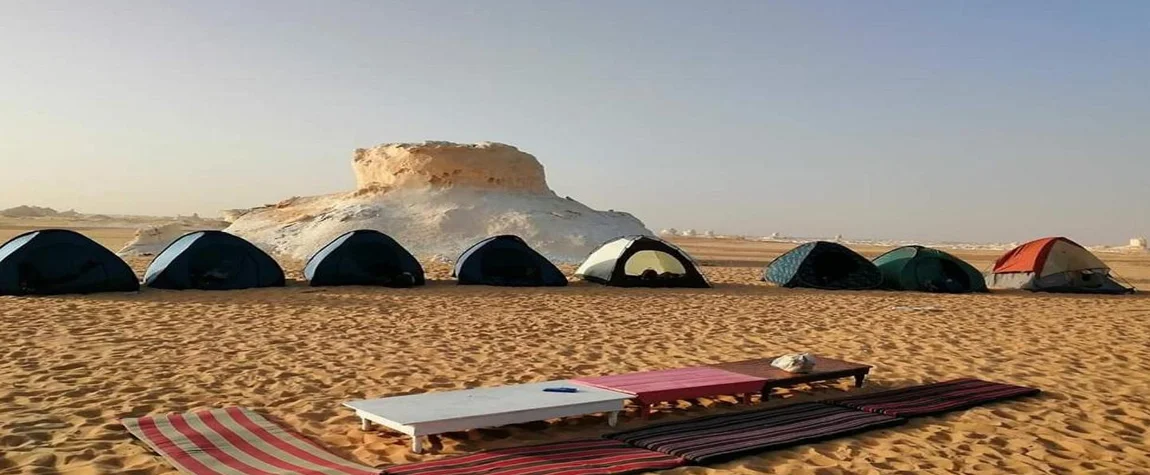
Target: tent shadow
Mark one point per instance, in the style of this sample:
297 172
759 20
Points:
299 292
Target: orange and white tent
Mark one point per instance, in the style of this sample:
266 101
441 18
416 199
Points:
1054 264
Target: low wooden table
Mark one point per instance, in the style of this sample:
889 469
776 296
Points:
825 369
432 413
650 387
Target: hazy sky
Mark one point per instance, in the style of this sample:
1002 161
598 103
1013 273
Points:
930 120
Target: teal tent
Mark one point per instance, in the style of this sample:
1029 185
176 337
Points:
928 270
823 265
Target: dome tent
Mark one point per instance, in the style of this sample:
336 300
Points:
363 257
823 265
213 260
1054 264
641 261
506 260
929 270
58 261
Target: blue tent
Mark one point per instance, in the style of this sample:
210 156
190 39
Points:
58 261
507 261
823 265
213 260
364 257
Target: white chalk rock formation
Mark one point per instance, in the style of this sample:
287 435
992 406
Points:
437 199
152 240
231 215
484 165
669 232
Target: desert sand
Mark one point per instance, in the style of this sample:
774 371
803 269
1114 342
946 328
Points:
71 366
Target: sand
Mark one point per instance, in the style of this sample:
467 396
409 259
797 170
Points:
71 366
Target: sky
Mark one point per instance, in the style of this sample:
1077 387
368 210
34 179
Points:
958 121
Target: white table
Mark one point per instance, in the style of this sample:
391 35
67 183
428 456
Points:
432 413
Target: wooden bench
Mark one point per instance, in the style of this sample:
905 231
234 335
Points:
651 387
432 413
826 369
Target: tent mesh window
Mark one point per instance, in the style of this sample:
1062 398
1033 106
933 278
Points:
653 265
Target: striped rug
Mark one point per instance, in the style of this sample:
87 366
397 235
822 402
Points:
727 436
236 441
578 457
934 398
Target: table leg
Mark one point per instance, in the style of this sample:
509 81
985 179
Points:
613 418
645 410
366 425
417 444
747 398
859 378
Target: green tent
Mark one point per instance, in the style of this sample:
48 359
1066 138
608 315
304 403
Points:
928 270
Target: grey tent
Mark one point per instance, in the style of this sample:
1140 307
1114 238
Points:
641 261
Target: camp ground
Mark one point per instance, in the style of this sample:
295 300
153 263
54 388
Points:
54 261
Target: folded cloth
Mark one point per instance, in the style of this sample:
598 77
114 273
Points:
795 363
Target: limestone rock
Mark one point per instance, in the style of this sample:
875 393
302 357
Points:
437 199
152 240
485 165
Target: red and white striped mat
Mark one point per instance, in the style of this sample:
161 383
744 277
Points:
236 441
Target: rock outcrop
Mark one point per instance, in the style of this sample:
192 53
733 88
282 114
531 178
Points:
152 240
25 211
437 199
484 165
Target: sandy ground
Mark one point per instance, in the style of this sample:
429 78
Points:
70 367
